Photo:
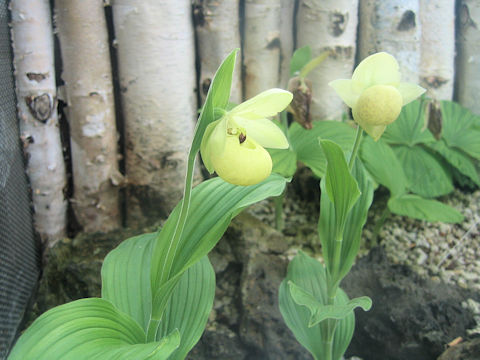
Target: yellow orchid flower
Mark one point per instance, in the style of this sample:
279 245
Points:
233 146
375 93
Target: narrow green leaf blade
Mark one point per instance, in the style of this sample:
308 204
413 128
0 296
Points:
126 277
189 307
309 274
382 163
417 207
427 175
214 203
217 97
89 329
341 186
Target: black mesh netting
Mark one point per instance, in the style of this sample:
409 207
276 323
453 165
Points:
18 250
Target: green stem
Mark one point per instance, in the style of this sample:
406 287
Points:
278 201
379 225
182 219
356 145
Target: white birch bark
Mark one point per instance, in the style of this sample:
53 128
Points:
87 74
468 59
438 47
286 37
262 44
156 59
218 33
32 39
392 26
328 25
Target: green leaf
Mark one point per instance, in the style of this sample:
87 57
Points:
309 274
341 186
352 232
320 312
459 130
426 174
458 159
382 163
189 307
126 283
214 203
408 128
284 161
126 279
299 59
217 97
305 142
89 329
423 209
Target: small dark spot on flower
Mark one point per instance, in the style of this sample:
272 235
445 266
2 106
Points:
242 137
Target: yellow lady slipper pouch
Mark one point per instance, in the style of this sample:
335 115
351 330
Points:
375 93
233 146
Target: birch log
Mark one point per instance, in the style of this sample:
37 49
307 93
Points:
468 60
262 44
32 39
156 58
287 11
392 26
328 25
218 33
87 74
438 47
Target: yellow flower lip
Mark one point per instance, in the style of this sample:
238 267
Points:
375 93
378 105
243 162
233 145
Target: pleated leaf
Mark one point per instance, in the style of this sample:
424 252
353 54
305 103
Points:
89 329
408 129
458 159
213 205
284 161
427 175
355 221
341 187
319 311
305 142
459 129
309 274
189 307
126 277
417 207
382 163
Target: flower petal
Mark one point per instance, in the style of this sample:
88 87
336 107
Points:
265 104
410 91
264 132
344 88
213 141
375 131
377 69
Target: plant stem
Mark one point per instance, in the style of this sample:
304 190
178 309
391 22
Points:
278 201
182 219
356 145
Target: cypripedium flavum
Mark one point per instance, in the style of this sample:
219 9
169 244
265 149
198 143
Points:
233 146
375 93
